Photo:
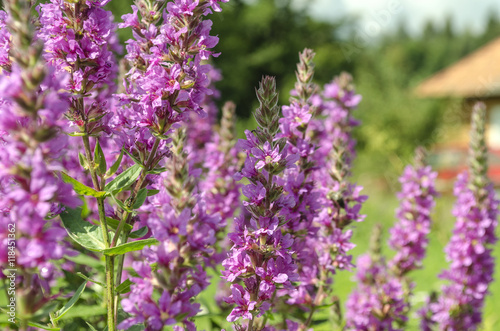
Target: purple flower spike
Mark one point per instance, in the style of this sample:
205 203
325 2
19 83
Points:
459 306
261 257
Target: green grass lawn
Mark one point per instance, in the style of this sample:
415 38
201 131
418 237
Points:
380 208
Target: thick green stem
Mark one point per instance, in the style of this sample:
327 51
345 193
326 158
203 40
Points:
125 218
119 271
110 293
250 325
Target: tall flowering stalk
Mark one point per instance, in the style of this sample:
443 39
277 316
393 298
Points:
261 257
298 183
382 298
31 145
77 36
165 83
166 80
409 236
178 218
338 201
341 200
469 251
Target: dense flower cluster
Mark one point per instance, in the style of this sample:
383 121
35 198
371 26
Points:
167 79
340 200
79 38
261 255
469 251
379 301
409 237
297 181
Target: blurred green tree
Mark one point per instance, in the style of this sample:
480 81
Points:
264 37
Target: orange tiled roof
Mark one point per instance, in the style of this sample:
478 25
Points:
476 75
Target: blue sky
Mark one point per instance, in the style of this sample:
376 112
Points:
467 14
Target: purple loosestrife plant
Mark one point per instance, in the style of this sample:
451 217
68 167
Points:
297 182
178 218
31 144
166 81
337 201
341 200
78 38
382 299
261 258
459 305
378 302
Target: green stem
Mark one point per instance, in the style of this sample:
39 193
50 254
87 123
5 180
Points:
110 286
125 219
309 318
317 301
54 323
119 272
250 325
264 320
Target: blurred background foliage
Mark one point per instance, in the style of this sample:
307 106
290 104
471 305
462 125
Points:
263 37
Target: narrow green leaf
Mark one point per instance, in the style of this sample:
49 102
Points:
136 160
120 204
153 192
99 158
43 327
139 233
123 180
83 161
85 312
124 287
157 171
82 189
114 224
87 261
79 274
97 118
61 312
77 134
140 198
130 247
83 232
91 327
115 166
